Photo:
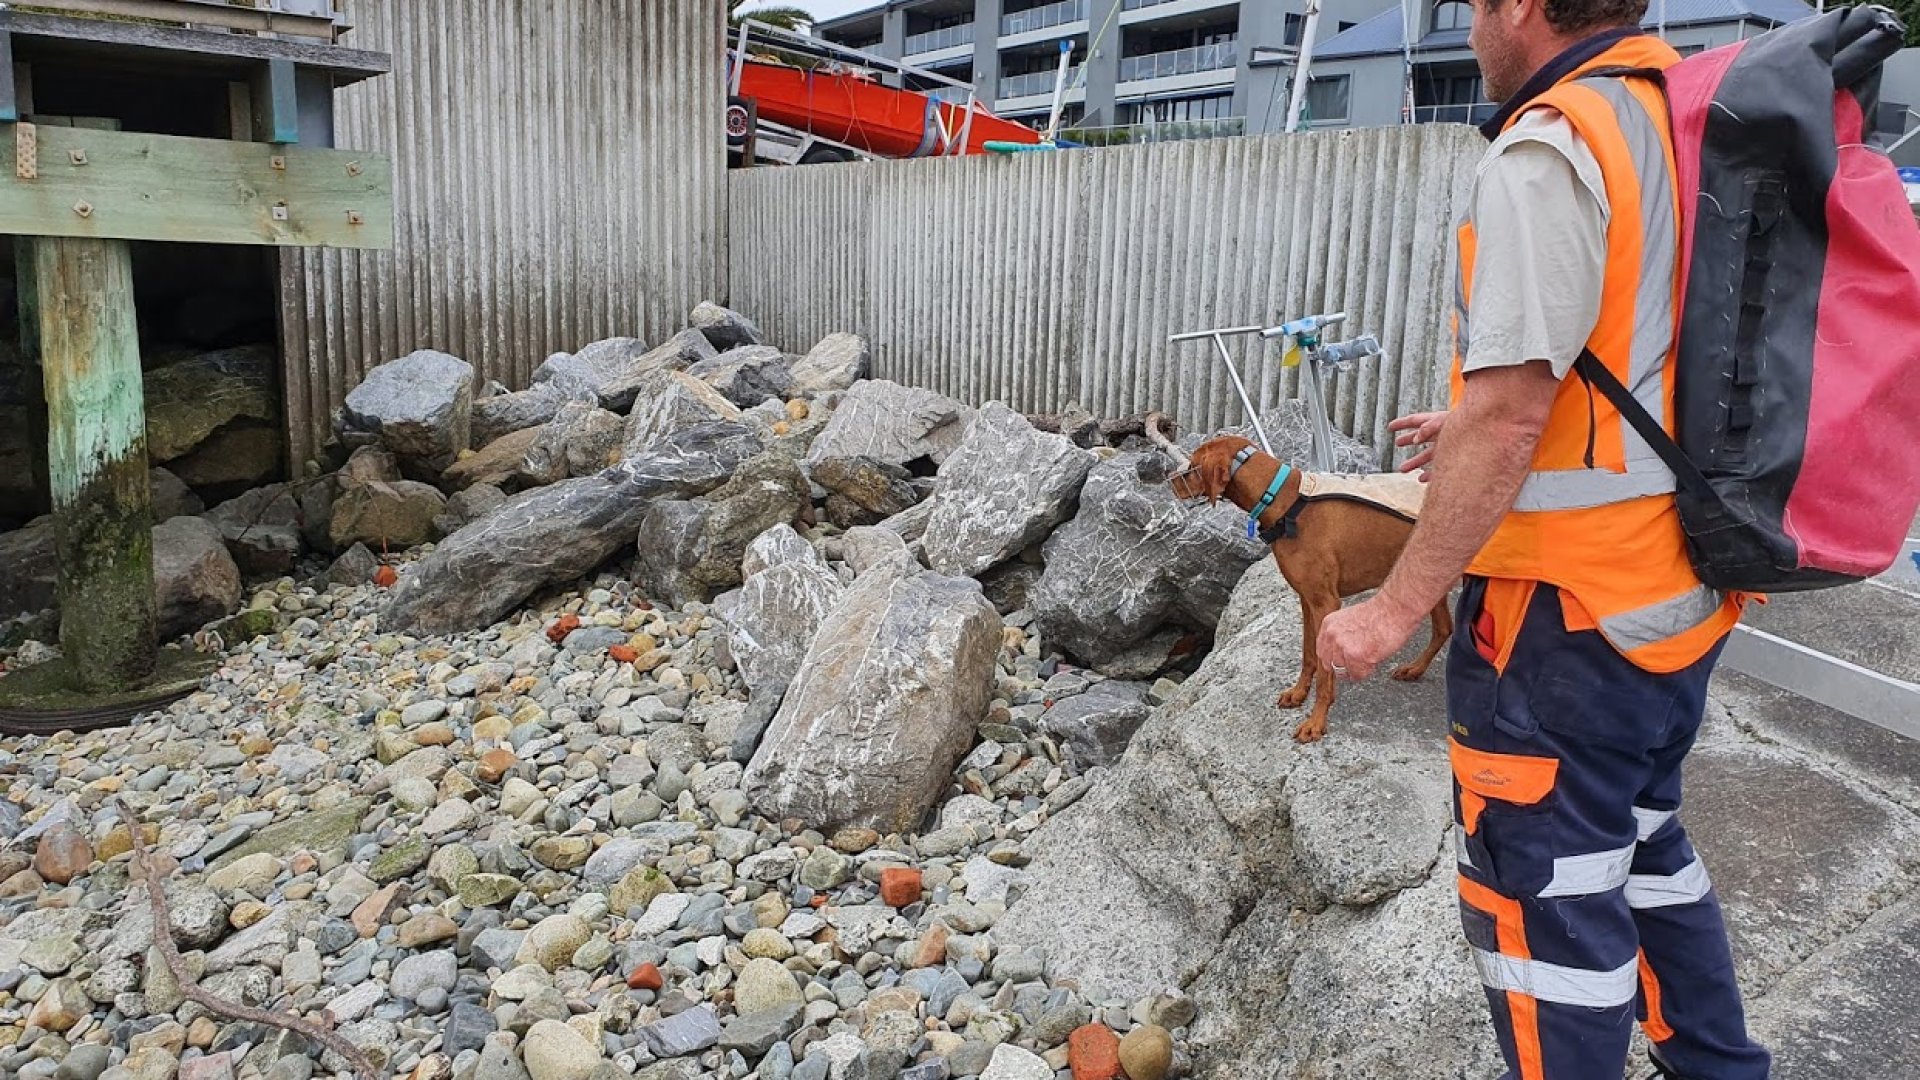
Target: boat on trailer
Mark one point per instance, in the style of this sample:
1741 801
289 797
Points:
795 99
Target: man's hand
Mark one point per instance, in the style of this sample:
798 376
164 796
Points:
1356 640
1420 429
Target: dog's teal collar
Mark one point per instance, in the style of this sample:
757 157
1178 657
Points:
1273 492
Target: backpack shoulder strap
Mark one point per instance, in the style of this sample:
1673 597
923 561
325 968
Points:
1685 471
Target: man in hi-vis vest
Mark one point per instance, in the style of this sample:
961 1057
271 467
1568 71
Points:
1578 678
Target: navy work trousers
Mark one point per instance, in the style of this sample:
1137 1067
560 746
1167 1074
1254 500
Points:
1585 906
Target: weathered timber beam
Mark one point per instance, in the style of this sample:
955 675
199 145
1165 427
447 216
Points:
138 186
61 39
97 460
203 13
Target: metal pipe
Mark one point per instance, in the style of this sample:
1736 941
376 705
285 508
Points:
1219 343
1298 100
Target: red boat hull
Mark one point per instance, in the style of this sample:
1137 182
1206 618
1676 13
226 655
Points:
869 116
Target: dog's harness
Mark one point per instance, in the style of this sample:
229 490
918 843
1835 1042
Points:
1288 526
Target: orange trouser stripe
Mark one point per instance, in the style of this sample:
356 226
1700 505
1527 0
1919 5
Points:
1655 1025
1511 935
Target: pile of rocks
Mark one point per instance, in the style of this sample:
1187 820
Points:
714 737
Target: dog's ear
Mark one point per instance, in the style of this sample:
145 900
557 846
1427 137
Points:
1213 469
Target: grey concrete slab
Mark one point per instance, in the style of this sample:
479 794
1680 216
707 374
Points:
1851 1012
1874 756
1800 856
1872 626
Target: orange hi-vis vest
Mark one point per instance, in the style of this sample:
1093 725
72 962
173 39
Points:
1596 515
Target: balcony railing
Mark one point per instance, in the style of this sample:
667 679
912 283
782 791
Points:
1040 82
1045 15
1135 5
957 95
1478 113
1226 54
935 40
1168 131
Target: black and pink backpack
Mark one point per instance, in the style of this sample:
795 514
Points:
1798 395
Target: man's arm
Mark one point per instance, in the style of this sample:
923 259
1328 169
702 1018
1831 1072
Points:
1489 444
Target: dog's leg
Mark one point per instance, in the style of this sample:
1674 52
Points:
1314 727
1442 630
1296 695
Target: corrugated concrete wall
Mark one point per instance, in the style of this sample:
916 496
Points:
1040 279
559 176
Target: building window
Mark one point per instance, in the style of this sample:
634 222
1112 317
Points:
1453 15
1176 110
1328 99
1346 26
1296 26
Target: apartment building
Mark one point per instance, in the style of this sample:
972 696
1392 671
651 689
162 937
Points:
1369 71
1225 67
1198 66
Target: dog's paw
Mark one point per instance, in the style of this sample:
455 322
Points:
1293 698
1410 673
1311 731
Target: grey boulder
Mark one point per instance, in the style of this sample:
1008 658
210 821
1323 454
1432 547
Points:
1094 728
382 514
559 533
886 702
836 363
1006 488
265 529
195 580
29 568
580 440
505 414
1135 571
863 490
675 401
467 506
896 424
723 327
1218 855
773 617
618 370
420 406
170 496
747 376
690 548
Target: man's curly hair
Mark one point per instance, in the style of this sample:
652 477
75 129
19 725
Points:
1583 16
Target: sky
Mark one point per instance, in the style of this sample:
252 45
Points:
821 9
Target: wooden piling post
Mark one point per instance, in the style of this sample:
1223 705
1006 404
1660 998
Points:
97 459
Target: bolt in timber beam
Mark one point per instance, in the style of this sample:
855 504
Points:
97 459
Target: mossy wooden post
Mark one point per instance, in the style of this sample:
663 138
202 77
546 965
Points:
97 459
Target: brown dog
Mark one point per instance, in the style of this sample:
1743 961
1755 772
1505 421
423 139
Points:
1341 548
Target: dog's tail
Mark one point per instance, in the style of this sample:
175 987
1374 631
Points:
1155 424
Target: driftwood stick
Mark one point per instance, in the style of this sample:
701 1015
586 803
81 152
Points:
192 991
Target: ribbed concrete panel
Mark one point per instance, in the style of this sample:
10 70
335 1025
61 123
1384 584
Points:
1042 279
559 175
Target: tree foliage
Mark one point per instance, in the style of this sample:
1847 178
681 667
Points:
786 18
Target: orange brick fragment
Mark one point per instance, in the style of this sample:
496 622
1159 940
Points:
1093 1053
644 977
564 625
900 887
